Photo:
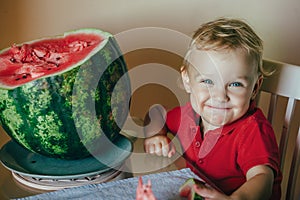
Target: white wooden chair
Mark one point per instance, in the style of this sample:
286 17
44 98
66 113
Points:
280 100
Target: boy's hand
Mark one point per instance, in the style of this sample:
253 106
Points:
144 191
159 145
209 193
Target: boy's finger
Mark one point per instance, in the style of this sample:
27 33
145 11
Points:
151 149
172 150
165 150
204 191
158 150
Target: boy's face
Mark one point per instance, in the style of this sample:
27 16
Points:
221 85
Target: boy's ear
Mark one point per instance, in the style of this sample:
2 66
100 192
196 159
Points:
257 86
186 80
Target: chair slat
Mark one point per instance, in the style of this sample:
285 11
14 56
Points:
291 188
284 84
290 111
272 108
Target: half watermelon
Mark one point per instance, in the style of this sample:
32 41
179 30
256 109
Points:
56 93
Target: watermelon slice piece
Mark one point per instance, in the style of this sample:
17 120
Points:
186 190
56 93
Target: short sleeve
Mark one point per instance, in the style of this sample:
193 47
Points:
258 146
173 119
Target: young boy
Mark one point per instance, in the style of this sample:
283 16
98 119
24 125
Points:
220 129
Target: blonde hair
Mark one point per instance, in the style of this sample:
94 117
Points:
225 33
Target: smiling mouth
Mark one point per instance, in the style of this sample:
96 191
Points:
218 107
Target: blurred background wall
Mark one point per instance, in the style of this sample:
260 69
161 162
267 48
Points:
276 21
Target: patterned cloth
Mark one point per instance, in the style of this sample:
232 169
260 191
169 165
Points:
165 186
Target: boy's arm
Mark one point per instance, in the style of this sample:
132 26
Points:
259 185
156 141
154 122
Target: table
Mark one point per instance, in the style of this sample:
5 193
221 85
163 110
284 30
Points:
137 164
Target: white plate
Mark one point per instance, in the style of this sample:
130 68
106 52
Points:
24 162
56 184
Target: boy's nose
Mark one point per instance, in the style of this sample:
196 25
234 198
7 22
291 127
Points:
219 94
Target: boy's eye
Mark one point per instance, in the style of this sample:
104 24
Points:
207 81
236 84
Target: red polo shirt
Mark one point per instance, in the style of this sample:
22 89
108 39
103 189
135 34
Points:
226 154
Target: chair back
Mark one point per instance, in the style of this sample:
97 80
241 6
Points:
279 99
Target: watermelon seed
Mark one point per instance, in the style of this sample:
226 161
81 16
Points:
21 76
53 63
13 60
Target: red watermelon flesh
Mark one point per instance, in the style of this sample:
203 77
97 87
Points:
27 62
